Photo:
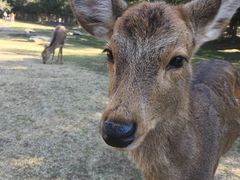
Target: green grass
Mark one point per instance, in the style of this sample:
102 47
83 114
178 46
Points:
84 41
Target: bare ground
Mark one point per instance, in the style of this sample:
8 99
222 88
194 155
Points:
49 125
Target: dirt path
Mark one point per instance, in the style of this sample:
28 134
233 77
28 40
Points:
49 125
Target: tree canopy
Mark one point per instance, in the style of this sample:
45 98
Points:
4 6
39 6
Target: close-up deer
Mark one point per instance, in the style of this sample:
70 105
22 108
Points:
58 39
175 119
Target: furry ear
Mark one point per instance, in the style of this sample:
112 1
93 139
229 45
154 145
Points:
98 16
210 17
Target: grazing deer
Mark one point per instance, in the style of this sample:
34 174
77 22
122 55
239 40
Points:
175 119
58 39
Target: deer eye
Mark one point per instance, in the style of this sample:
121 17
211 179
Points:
109 55
176 62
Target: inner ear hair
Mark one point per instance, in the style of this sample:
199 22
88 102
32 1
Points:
98 17
209 18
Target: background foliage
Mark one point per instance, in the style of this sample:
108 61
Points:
4 6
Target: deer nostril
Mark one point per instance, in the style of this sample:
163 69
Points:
118 134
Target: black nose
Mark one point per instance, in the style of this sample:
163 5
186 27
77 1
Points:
118 134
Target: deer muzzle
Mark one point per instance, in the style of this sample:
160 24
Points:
118 134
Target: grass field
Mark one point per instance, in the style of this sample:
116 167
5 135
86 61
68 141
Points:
49 113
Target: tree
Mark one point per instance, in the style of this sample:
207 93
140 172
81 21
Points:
4 6
42 9
17 4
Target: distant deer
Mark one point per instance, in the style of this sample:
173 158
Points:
58 39
175 119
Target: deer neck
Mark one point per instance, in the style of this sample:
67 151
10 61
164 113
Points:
166 157
51 48
156 156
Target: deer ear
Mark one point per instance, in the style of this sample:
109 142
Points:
98 16
210 17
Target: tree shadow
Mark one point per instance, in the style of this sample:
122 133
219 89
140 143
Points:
224 43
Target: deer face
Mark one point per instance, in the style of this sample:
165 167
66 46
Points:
149 50
149 72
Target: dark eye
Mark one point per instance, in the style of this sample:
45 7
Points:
109 55
176 62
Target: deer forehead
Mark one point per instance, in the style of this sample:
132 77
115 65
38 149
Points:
151 29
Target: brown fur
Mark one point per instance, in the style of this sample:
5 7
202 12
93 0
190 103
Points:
58 39
186 118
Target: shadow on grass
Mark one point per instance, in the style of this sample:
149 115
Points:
204 54
40 32
84 41
224 43
223 48
237 145
97 64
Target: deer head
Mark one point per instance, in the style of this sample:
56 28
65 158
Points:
149 51
46 55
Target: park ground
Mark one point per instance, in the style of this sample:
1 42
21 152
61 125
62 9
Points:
49 114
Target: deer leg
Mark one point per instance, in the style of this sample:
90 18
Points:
53 56
61 60
58 59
